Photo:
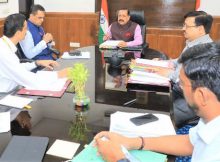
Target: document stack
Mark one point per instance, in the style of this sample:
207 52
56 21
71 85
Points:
144 75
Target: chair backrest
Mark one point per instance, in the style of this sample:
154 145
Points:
138 17
21 54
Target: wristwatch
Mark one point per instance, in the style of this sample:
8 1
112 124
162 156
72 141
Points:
123 160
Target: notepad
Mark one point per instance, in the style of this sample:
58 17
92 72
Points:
90 154
64 149
15 101
4 122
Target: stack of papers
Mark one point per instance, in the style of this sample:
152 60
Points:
161 127
110 44
143 72
83 55
15 101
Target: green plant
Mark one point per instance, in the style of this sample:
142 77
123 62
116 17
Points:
78 74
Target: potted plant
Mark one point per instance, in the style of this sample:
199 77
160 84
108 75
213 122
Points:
78 74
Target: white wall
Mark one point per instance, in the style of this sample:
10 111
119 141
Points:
211 7
67 5
8 8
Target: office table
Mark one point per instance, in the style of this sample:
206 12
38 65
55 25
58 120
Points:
104 98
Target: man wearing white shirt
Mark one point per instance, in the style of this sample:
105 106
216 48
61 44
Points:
200 81
36 44
14 73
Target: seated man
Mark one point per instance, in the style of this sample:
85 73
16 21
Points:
14 73
36 44
200 81
124 29
196 27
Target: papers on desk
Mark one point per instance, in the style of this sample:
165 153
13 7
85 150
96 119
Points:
63 149
5 122
120 123
143 72
15 101
90 154
49 93
110 44
84 55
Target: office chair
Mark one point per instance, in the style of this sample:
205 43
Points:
21 55
138 17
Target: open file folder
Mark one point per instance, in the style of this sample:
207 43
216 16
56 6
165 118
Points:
90 154
48 93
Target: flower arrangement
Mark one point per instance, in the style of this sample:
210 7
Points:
78 74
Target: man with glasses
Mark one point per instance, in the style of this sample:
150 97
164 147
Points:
37 43
200 78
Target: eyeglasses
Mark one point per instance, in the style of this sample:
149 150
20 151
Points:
189 26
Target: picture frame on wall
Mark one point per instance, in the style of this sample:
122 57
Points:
3 1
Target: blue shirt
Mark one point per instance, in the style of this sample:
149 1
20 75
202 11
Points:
33 45
205 138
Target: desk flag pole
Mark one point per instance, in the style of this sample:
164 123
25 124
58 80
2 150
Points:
103 21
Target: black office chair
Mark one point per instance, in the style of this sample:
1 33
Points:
21 55
138 17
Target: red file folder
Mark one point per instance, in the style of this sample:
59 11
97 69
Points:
25 91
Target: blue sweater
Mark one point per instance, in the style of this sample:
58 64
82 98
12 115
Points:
37 34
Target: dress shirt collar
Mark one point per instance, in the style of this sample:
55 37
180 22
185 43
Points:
209 131
9 43
199 40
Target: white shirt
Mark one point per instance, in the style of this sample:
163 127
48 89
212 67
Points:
14 73
205 138
28 47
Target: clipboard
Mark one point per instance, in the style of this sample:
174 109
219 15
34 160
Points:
57 94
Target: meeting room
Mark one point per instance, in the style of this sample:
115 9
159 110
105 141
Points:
109 80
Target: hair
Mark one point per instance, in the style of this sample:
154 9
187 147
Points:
35 8
12 24
201 18
201 65
128 11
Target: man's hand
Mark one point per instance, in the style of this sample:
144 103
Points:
106 37
116 138
122 44
48 37
110 151
63 73
49 64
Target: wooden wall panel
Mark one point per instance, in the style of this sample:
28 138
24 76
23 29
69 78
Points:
1 26
72 27
158 13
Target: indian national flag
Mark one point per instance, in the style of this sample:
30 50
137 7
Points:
198 2
103 21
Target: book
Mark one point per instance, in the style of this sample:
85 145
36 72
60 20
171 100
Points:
49 93
90 154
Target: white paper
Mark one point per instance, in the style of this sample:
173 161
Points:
83 55
56 85
160 63
63 149
120 123
110 44
15 101
4 122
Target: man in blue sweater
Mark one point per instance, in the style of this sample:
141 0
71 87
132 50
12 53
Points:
37 43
